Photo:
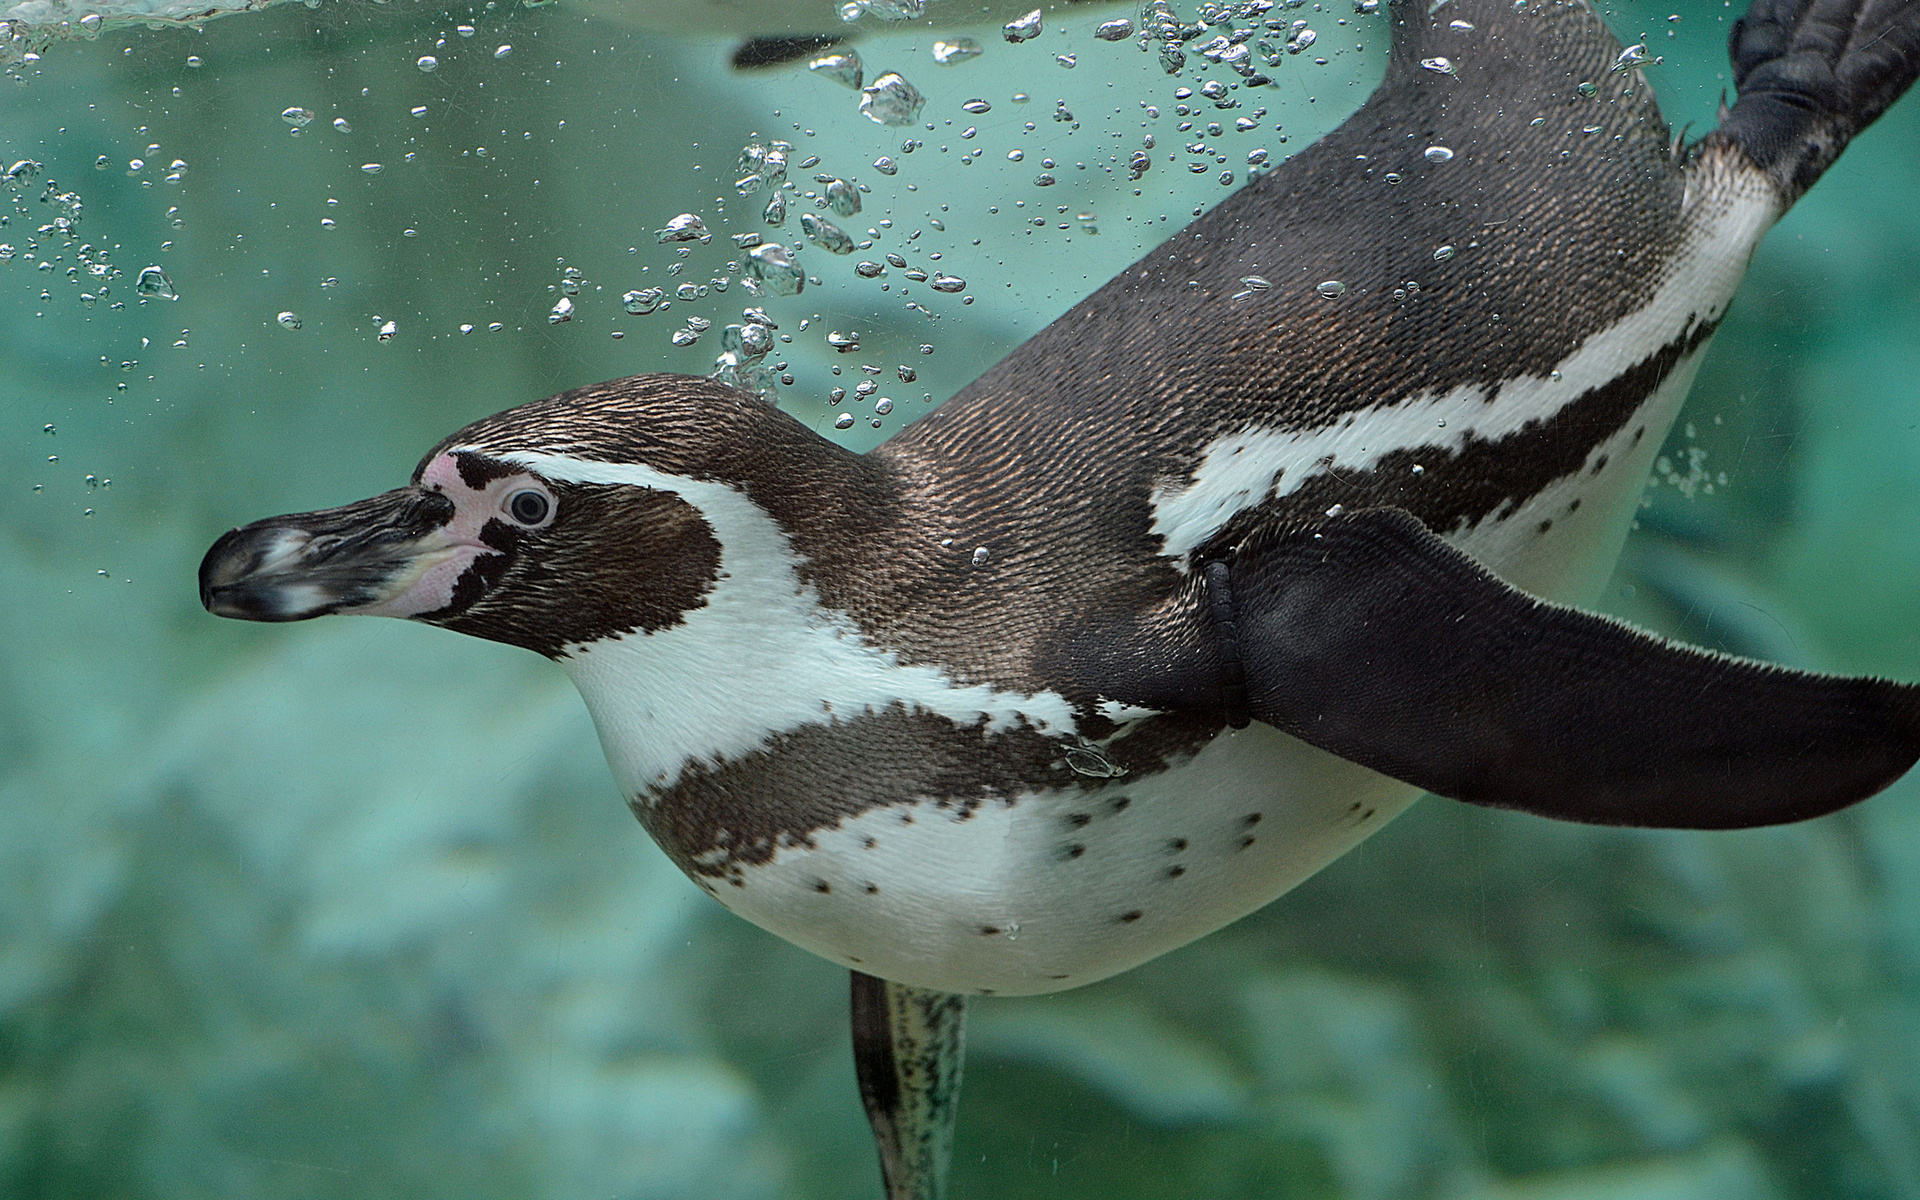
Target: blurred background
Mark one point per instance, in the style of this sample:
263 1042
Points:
353 909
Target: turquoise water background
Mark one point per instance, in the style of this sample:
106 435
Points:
353 909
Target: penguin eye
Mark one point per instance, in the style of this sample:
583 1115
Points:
529 506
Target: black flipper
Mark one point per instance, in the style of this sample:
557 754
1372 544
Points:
1813 73
1368 636
909 1045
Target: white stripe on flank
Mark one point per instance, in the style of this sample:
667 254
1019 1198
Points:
1262 462
762 657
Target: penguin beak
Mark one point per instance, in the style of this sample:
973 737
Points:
357 557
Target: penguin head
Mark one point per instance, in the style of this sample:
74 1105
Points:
551 525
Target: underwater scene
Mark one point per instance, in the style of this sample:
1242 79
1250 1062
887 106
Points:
355 909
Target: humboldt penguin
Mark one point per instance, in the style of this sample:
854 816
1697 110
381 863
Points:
1202 584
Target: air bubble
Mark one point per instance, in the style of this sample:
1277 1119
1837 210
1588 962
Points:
1332 289
955 50
1438 154
687 227
428 63
843 67
152 281
1022 29
891 101
288 320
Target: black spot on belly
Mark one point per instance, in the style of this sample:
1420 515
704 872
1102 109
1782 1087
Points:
871 843
872 889
1078 820
1575 506
1175 872
989 930
1367 815
852 959
1638 434
822 886
1059 977
1545 525
1251 819
1600 464
1176 845
1073 851
1248 841
1128 918
1120 803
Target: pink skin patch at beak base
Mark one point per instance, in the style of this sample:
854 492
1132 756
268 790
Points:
445 555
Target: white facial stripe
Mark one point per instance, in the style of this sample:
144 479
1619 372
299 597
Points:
761 658
1246 468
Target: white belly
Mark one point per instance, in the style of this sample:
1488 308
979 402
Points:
1060 889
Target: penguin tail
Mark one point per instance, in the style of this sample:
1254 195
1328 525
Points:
1810 75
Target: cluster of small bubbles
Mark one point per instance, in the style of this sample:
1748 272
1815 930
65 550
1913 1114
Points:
891 101
845 343
762 166
841 66
1067 60
948 51
1407 291
690 333
687 227
562 310
288 320
1023 29
743 347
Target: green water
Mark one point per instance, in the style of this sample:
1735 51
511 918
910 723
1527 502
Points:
352 909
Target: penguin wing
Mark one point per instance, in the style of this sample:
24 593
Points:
1368 636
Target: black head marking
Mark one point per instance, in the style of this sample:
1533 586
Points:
614 560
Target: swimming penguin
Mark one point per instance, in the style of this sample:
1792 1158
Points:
1202 584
